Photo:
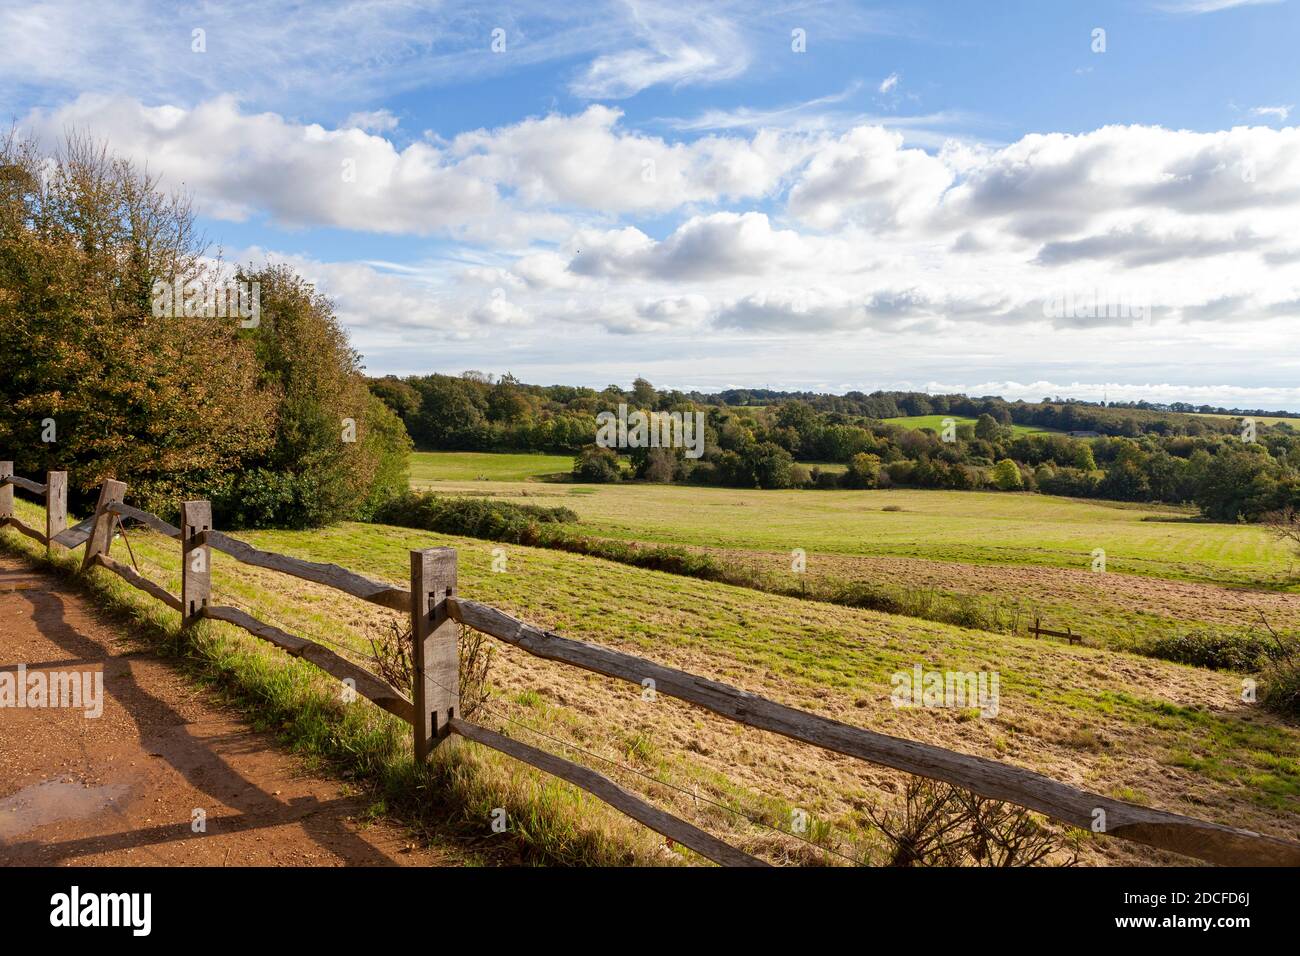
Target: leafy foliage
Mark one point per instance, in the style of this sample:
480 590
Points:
473 517
1220 651
178 406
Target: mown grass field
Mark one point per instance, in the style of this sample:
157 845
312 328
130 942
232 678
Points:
958 526
483 466
935 423
1131 727
1259 420
1017 556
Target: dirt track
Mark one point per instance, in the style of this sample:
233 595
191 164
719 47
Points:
122 788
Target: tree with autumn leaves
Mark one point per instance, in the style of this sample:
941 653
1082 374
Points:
256 419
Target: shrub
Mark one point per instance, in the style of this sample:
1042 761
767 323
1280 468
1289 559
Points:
1216 650
597 465
863 471
343 448
471 517
1280 684
129 391
1006 476
657 465
942 825
900 472
824 480
196 405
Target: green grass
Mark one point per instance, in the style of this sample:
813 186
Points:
935 423
834 467
1178 736
926 554
1259 420
963 526
484 466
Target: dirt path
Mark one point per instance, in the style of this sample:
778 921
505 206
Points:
122 788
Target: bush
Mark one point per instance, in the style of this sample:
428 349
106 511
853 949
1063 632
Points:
597 465
824 480
261 498
900 472
672 560
471 517
863 471
1006 476
343 448
271 420
1216 650
962 610
1280 684
658 465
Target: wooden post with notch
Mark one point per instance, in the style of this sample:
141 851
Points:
6 491
196 561
101 533
56 506
435 653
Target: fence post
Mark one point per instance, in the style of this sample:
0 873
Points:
435 654
6 492
56 506
196 562
101 534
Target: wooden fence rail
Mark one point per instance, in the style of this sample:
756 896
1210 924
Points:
433 710
1039 631
55 492
611 793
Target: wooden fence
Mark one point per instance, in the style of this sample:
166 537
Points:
434 714
1039 631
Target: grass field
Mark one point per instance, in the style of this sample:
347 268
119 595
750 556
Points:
1139 729
961 526
1259 420
935 423
484 466
1017 557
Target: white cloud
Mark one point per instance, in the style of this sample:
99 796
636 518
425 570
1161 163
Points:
720 245
304 175
867 177
586 160
589 228
1280 113
1060 187
1208 6
1215 394
372 121
809 113
888 83
350 54
679 45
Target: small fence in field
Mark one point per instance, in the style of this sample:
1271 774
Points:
1039 631
436 609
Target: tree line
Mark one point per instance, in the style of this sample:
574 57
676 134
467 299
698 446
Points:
765 439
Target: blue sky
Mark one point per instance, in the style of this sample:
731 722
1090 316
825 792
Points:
678 192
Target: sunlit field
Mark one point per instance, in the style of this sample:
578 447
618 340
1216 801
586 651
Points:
935 423
1139 729
1259 420
1019 557
482 466
971 527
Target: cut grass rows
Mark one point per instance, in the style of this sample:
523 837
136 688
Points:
961 526
1178 736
